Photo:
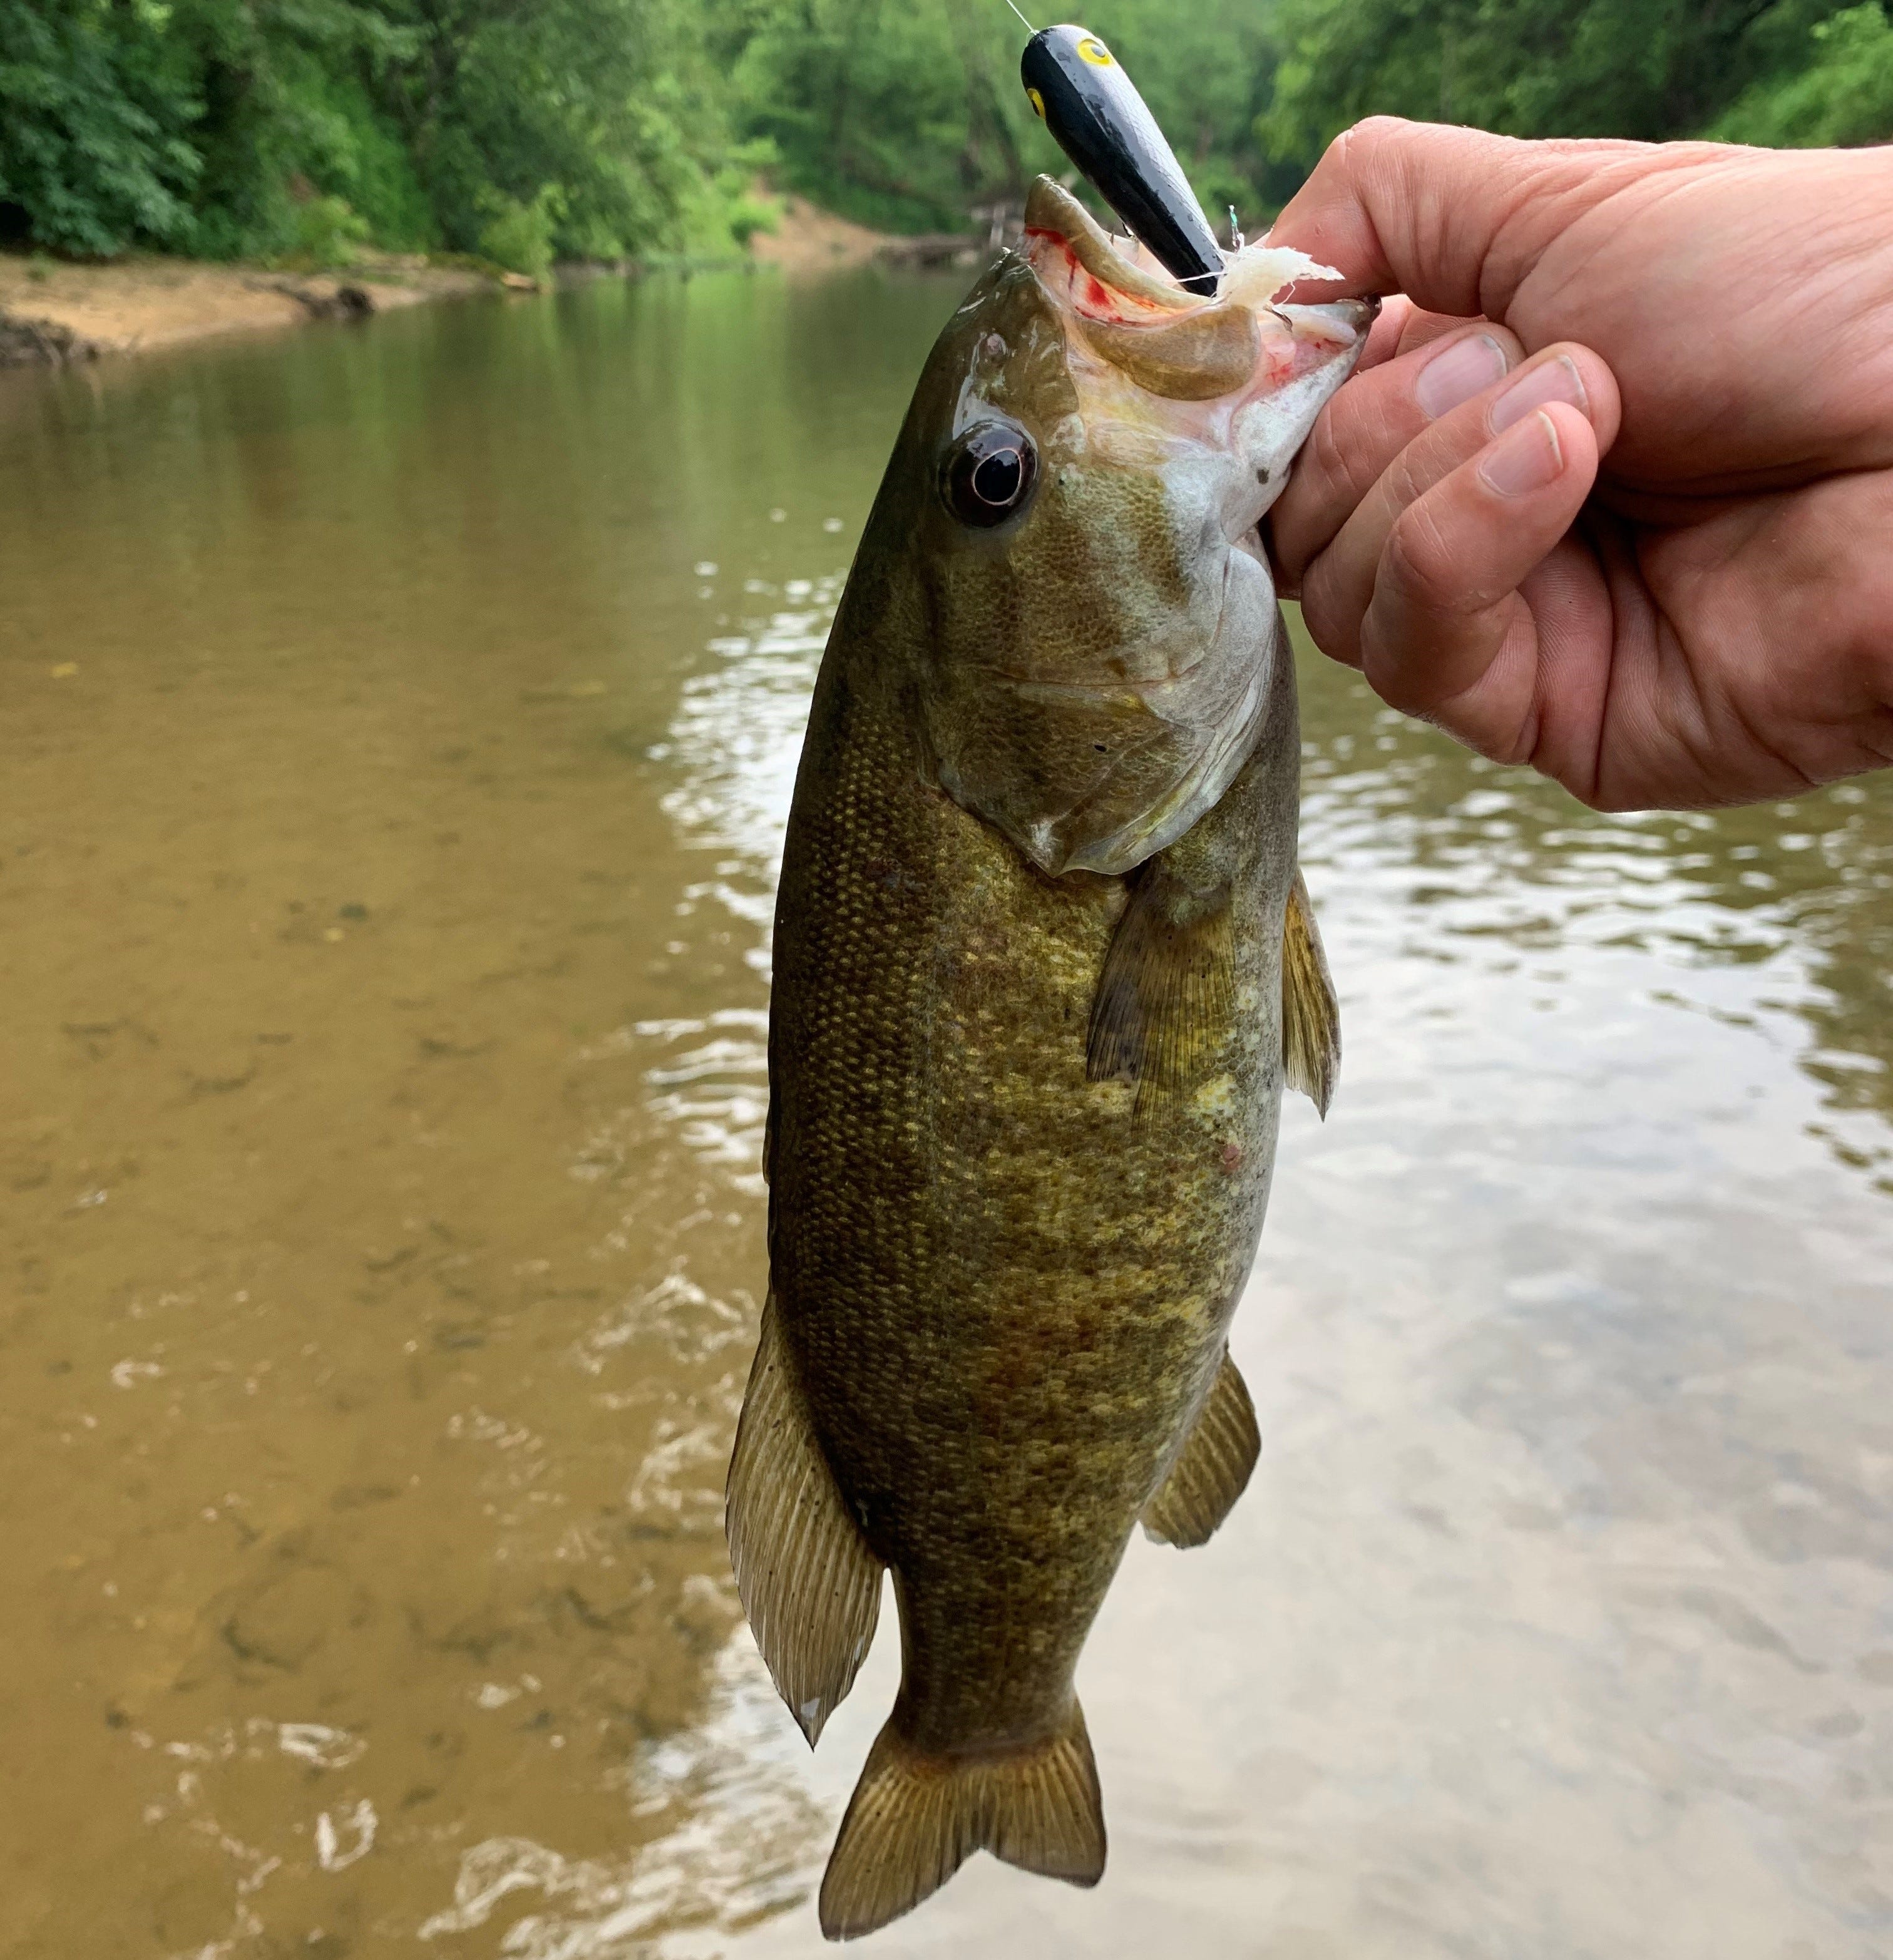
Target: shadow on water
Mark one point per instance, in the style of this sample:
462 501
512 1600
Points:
400 727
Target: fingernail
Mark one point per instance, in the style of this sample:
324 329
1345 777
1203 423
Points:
1536 388
1526 458
1458 373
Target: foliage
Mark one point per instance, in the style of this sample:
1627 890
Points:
222 126
520 237
1208 71
330 233
896 115
531 129
1646 69
608 99
1844 93
908 113
92 155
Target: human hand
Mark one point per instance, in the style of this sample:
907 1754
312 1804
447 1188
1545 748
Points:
1635 527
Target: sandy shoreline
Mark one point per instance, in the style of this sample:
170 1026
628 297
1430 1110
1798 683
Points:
51 312
809 240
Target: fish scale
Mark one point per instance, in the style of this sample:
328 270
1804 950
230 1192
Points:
933 1359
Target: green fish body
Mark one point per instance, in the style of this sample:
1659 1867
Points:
1043 965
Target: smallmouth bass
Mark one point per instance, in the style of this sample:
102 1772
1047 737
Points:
1043 965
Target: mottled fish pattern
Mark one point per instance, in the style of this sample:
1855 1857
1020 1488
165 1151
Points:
1044 964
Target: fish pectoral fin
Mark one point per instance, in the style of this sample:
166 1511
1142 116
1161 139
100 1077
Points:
1311 1015
916 1818
811 1587
1167 992
1214 1469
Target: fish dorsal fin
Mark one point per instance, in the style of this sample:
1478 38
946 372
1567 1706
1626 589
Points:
1311 1015
915 1817
1214 1470
1168 989
809 1583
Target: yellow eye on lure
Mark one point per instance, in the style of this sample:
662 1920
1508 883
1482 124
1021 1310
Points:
1080 92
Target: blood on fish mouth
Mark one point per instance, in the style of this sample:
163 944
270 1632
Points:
1092 299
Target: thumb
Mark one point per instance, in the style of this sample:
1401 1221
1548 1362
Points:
1455 218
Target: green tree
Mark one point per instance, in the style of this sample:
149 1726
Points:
908 113
1647 68
1838 90
605 127
93 124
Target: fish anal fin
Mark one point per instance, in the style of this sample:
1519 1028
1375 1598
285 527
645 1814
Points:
811 1587
1214 1469
1311 1016
1167 993
915 1817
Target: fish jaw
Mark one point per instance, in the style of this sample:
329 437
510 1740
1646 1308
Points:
1263 373
1094 670
1318 346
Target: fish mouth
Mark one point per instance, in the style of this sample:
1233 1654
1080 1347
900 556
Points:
1101 282
1181 345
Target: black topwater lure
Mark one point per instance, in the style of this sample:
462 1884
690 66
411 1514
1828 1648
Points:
1090 105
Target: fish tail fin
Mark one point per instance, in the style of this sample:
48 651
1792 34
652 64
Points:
915 1817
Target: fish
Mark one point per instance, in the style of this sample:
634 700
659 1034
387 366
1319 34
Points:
1043 964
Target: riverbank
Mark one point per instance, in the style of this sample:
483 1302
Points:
54 312
807 238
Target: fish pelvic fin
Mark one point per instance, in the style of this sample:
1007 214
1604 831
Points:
1311 1015
915 1817
1167 993
1214 1469
811 1587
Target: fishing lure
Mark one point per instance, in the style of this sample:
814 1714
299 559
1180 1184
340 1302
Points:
1082 94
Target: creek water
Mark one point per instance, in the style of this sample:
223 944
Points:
399 727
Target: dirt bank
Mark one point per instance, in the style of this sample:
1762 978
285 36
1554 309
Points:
50 310
53 312
808 239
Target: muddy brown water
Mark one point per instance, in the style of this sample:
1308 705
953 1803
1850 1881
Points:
399 725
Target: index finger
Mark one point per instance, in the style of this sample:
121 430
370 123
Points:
1453 218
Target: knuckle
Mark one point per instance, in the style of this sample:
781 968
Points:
1419 561
1355 153
1406 480
1367 429
1372 133
1288 557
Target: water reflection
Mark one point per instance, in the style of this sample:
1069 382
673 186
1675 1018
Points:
385 908
740 1857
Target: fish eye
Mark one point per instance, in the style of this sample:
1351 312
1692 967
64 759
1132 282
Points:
989 474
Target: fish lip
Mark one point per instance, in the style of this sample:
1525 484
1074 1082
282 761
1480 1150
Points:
1052 211
1094 287
1360 313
